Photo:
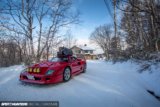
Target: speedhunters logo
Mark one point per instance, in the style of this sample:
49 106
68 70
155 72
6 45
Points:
29 104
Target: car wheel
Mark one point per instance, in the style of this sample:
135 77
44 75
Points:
84 68
66 74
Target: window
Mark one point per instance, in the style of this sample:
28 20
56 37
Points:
55 59
86 51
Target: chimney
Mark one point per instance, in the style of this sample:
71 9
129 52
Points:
85 44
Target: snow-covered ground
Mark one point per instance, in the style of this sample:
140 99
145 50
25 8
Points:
103 85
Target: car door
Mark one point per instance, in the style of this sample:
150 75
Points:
75 64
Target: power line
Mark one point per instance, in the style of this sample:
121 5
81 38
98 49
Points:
107 3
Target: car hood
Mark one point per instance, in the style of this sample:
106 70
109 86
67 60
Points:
43 67
44 64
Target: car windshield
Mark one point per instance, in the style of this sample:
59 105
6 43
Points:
56 59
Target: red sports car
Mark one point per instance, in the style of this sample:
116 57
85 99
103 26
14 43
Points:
55 70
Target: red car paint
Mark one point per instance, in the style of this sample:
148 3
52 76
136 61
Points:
76 66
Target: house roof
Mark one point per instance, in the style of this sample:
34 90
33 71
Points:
84 48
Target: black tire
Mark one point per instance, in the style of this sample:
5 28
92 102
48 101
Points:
66 74
84 68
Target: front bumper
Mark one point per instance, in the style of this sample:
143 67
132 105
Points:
38 79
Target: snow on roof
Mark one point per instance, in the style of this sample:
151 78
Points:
85 48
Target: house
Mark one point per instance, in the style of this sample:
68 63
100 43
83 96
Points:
84 50
100 56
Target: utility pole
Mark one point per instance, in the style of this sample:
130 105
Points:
115 22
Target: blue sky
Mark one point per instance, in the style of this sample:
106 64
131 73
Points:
93 14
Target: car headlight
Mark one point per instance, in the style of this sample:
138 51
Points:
38 70
49 72
35 70
29 69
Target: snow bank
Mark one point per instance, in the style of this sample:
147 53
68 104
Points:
151 79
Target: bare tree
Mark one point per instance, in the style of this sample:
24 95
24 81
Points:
37 22
69 40
22 17
140 22
60 16
102 37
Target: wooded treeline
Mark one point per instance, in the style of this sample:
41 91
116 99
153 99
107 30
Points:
136 35
29 29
